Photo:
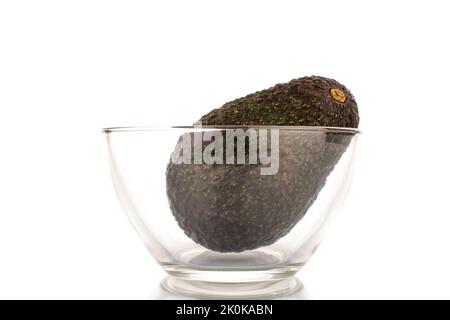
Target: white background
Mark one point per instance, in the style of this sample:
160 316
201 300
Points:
69 68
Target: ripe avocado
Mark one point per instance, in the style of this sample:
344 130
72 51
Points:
307 101
232 207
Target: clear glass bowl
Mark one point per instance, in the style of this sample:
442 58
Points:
239 230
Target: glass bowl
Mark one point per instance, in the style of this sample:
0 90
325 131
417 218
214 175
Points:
231 210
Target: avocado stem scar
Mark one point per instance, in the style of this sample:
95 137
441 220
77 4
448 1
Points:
338 95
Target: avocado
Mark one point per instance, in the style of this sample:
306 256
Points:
233 207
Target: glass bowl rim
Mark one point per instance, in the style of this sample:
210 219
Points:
109 130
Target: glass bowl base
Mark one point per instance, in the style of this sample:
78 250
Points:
223 290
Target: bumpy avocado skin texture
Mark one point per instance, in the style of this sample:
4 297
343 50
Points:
232 208
301 102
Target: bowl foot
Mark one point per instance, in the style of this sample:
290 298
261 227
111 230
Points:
220 290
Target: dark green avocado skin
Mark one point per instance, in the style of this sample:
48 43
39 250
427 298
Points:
232 208
300 102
